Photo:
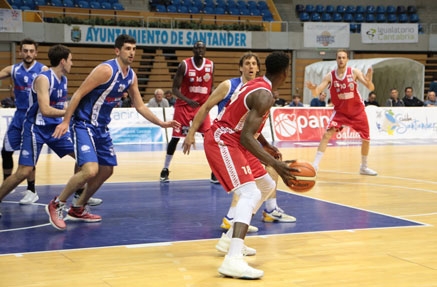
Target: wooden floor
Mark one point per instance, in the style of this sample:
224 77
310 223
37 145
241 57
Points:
405 187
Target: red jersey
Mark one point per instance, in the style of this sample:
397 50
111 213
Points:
197 82
344 93
235 113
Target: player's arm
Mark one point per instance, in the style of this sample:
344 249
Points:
142 109
365 79
42 89
216 96
317 89
99 75
6 72
177 83
271 149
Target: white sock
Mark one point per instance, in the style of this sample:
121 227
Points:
271 204
364 161
168 159
318 158
236 247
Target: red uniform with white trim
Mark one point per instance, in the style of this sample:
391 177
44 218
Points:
231 162
348 104
196 85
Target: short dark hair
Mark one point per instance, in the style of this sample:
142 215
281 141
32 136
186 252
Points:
123 38
28 41
57 53
249 55
277 62
411 88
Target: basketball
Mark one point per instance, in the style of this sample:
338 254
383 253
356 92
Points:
305 178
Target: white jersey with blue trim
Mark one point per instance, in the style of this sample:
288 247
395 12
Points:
58 97
236 84
23 78
97 105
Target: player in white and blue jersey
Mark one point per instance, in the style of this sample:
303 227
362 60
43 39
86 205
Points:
22 75
89 113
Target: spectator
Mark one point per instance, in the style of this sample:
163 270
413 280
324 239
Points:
296 102
170 98
433 85
410 100
125 101
431 99
371 100
158 101
320 101
278 101
394 100
8 102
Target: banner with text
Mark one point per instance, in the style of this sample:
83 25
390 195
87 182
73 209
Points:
375 33
326 35
11 21
106 35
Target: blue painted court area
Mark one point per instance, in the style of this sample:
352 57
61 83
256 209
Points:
152 212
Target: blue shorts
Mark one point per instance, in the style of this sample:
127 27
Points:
34 137
12 140
93 144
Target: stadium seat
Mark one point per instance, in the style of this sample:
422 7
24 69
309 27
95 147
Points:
411 9
390 9
246 12
172 9
208 10
359 18
16 3
219 10
242 4
95 5
315 17
262 5
299 7
234 11
25 8
370 9
40 3
267 18
353 27
380 9
350 9
380 18
403 18
194 10
69 3
57 3
320 9
392 18
330 9
83 4
118 6
304 17
414 18
231 4
360 9
310 9
348 18
370 18
326 17
401 9
255 12
336 17
340 9
106 5
182 9
28 3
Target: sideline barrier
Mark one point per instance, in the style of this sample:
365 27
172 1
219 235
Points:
287 124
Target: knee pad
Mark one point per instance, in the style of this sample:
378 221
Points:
249 197
266 185
8 162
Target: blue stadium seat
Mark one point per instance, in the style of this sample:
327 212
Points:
172 9
304 17
83 4
411 9
28 3
326 17
353 27
106 5
57 3
299 7
182 9
380 9
219 10
255 12
262 5
310 8
315 17
360 9
320 9
24 8
401 9
392 18
246 12
370 18
95 5
161 8
370 9
220 3
194 10
234 11
267 18
330 9
40 3
390 9
403 18
340 9
208 10
336 17
350 9
348 18
380 18
118 6
414 18
70 3
16 3
15 7
359 18
231 4
242 4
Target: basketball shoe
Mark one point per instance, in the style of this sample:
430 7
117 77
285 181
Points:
54 210
277 215
213 179
227 223
82 213
93 201
237 267
164 175
29 197
364 170
225 241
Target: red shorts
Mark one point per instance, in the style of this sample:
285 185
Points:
358 122
231 163
185 115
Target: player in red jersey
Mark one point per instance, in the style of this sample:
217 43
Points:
348 106
235 155
192 86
